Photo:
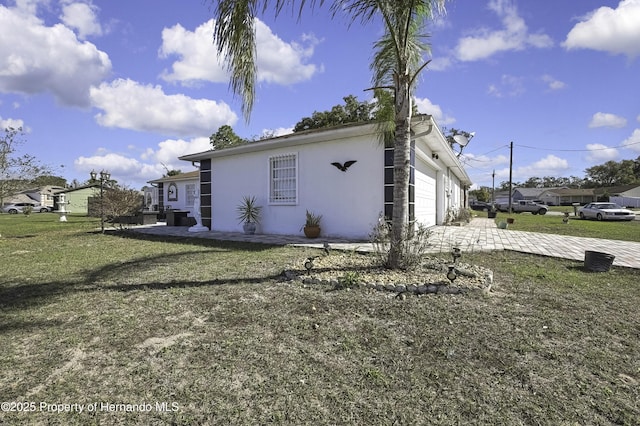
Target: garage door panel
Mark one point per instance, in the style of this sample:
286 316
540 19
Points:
425 194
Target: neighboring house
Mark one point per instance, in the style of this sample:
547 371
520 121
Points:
567 196
172 192
619 191
294 173
627 196
526 194
44 196
78 198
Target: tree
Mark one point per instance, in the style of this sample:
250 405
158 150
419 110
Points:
121 201
225 137
48 180
613 173
481 194
504 186
353 111
16 172
397 61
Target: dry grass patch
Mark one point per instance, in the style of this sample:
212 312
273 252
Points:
209 326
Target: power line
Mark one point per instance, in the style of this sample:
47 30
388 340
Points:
486 153
467 159
577 150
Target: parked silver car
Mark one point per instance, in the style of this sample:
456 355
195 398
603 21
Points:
19 207
605 211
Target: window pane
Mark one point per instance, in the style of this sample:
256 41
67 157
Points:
283 185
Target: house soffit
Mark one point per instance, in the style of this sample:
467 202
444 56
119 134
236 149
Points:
428 134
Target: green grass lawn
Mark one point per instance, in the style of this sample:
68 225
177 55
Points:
553 224
208 329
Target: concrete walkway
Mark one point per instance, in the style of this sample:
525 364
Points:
480 235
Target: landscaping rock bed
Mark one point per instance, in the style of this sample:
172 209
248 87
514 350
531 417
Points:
349 269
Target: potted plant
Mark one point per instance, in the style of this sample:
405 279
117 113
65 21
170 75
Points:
249 214
492 212
311 227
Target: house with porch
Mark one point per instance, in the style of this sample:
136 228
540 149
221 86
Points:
78 198
526 194
567 196
44 196
343 173
176 192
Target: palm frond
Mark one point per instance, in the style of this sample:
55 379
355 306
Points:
235 37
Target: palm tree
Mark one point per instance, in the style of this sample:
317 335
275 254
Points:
396 63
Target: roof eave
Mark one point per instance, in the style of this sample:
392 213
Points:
289 140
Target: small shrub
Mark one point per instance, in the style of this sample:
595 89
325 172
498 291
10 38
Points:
415 243
349 279
455 214
465 215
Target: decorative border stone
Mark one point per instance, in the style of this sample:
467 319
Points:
439 287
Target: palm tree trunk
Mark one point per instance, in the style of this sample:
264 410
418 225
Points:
401 171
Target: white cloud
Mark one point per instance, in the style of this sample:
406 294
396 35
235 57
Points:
547 166
130 105
28 7
483 161
552 83
609 30
36 58
509 86
603 119
199 59
82 17
152 163
425 106
280 62
440 63
481 168
279 131
277 61
169 150
16 123
124 169
633 141
599 153
514 35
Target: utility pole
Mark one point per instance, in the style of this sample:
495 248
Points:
510 177
493 187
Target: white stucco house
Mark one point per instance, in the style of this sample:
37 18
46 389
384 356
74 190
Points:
294 173
176 192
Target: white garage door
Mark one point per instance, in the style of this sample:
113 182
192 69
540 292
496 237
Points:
425 194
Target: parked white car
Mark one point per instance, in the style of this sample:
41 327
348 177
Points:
19 207
605 211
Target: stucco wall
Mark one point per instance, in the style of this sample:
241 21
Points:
350 202
178 201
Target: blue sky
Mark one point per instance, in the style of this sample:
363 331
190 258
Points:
129 86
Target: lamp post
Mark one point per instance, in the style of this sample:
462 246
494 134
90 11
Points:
104 176
510 177
493 187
